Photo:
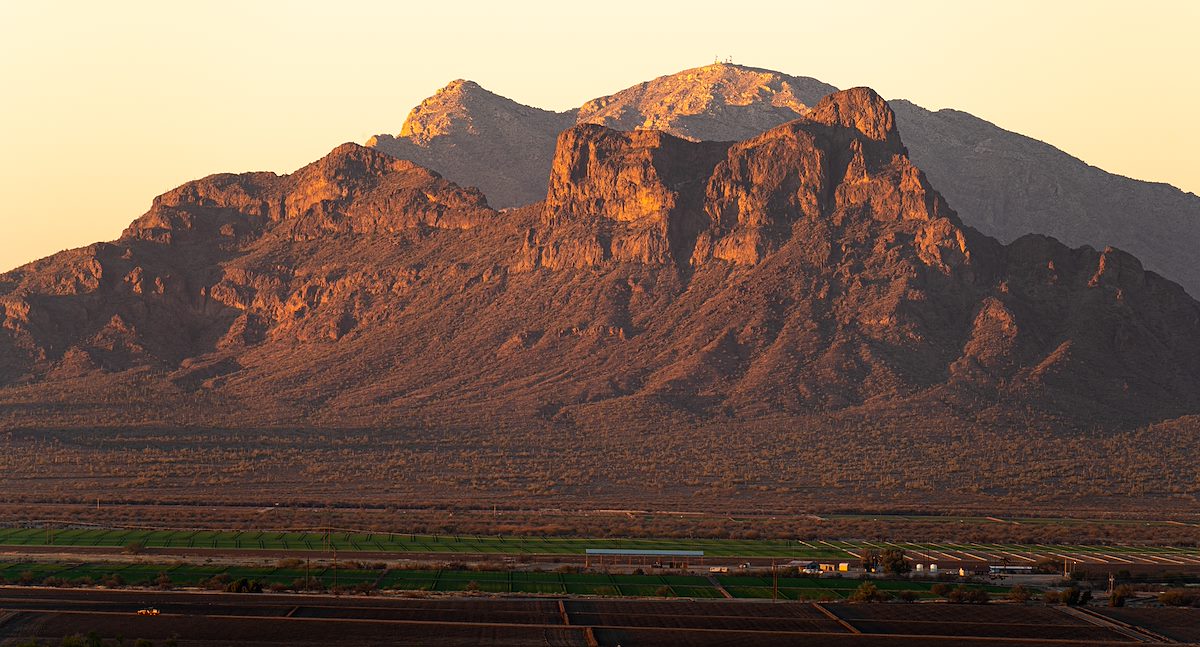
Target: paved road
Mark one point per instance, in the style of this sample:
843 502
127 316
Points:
210 620
946 556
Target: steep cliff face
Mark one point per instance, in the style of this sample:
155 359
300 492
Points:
1004 184
811 269
628 197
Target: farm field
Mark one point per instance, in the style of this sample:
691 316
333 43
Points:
404 543
1182 625
1016 622
207 619
397 544
450 580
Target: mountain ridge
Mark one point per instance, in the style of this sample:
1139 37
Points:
811 270
1015 186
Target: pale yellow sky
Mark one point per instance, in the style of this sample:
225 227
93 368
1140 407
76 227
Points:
106 104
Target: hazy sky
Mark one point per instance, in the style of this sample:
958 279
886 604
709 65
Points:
104 105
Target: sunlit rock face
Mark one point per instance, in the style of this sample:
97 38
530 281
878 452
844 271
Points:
1002 183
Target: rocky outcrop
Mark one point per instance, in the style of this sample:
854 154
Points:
173 287
472 135
354 189
1004 184
630 197
649 197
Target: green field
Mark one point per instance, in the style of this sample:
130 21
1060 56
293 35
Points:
402 543
599 584
399 544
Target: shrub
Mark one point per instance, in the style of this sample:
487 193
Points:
893 560
92 639
244 586
1070 596
1120 595
868 592
1019 593
217 582
663 591
113 580
313 584
1179 598
964 595
940 589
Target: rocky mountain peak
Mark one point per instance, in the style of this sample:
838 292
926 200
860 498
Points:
1000 182
353 188
463 125
453 110
651 197
704 103
861 109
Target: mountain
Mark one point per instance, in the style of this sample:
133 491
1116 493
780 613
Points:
464 130
481 139
811 270
719 102
1006 185
1002 183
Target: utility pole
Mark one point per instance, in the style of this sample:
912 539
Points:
774 582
